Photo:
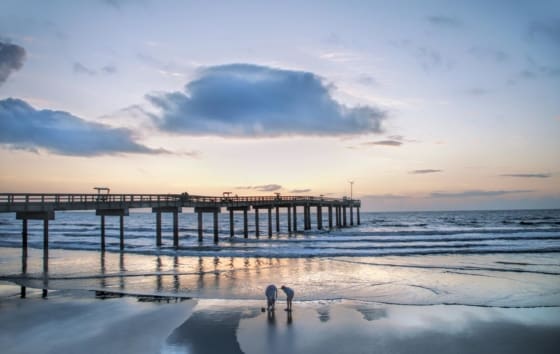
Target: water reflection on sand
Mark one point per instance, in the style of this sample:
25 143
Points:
350 327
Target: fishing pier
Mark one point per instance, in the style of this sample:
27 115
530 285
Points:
43 207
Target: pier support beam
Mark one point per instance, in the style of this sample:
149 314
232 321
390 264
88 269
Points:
351 216
121 232
289 220
231 230
330 217
215 226
215 211
199 226
277 219
245 222
36 215
257 222
112 212
306 217
344 224
24 235
158 228
167 209
269 222
319 217
175 228
358 214
295 218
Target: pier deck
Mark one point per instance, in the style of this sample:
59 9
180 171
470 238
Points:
42 206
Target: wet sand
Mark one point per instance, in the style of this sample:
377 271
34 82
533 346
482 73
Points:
76 322
425 304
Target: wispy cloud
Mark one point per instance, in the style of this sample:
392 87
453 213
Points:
527 175
445 21
477 193
12 57
262 188
488 53
80 68
477 91
306 190
546 31
60 132
384 143
384 196
340 57
245 100
426 171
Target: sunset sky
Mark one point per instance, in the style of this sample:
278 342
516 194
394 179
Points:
425 105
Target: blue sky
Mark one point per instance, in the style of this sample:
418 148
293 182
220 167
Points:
424 104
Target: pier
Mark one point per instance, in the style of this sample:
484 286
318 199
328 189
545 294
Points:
43 207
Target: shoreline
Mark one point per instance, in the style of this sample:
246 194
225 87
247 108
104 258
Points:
511 281
71 321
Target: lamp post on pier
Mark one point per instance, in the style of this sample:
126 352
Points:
351 185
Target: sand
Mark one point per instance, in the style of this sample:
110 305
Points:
77 322
445 304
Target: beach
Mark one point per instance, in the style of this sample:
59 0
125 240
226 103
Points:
451 282
70 322
460 304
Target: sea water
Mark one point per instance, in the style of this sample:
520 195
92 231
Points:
482 258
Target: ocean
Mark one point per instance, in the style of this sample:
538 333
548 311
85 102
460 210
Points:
399 233
474 258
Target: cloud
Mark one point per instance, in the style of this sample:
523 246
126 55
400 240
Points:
263 188
80 68
367 80
477 91
426 171
488 53
476 193
545 30
306 190
12 57
444 21
245 100
385 143
527 175
384 196
62 133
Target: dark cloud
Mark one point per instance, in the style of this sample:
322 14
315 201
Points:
545 30
62 133
12 57
422 172
263 188
527 175
476 193
385 143
245 100
80 68
306 190
444 21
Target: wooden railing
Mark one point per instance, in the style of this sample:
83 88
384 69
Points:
93 201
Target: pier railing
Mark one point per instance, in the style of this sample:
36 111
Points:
13 202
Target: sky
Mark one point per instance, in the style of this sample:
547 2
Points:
424 105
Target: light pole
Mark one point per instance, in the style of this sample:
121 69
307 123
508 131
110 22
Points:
351 185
